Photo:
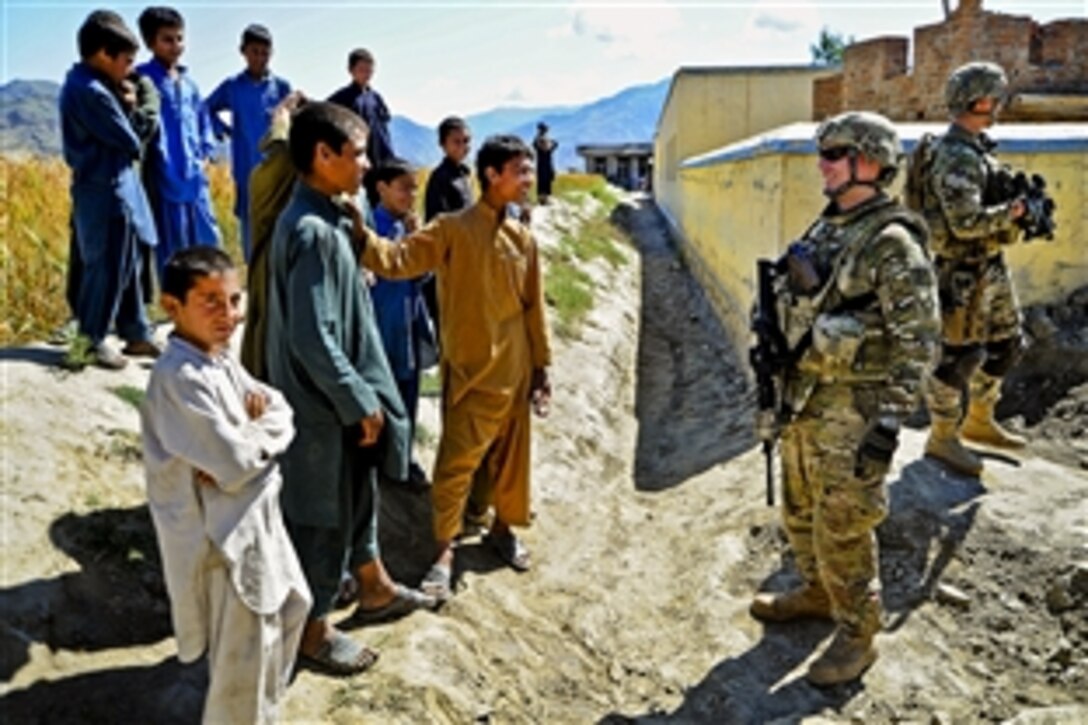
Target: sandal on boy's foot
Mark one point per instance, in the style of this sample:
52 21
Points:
340 656
405 601
510 550
437 582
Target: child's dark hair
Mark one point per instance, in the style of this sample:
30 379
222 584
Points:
359 55
256 34
448 126
154 19
386 172
495 152
320 122
186 266
105 30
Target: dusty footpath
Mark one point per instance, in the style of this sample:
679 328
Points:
650 535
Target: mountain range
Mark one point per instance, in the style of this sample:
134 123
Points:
29 124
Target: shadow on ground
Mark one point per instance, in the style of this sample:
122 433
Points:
116 599
167 693
693 402
931 514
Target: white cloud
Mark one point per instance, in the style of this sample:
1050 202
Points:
775 22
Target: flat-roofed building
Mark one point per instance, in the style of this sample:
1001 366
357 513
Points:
627 165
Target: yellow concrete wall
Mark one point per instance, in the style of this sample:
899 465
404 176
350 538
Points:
708 108
736 211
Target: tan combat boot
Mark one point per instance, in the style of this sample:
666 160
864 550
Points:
846 658
944 445
807 600
981 426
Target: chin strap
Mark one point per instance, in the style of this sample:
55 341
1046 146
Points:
842 188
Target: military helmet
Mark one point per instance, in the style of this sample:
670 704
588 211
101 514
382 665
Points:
870 134
973 82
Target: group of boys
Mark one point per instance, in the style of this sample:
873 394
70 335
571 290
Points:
262 474
879 305
259 518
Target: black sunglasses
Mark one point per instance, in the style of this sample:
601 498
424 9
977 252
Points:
835 153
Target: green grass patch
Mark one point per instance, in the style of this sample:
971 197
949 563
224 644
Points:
570 186
567 287
597 239
424 436
430 384
131 394
569 291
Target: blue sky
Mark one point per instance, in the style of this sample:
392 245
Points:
436 58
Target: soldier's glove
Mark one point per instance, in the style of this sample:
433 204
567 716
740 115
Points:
877 445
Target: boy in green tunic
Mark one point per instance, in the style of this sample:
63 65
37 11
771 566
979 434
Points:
324 352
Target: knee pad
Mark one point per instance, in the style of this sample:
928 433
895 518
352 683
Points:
1001 356
957 364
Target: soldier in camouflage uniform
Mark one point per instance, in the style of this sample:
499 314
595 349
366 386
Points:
969 228
861 288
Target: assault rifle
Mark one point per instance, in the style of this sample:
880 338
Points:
768 359
1038 218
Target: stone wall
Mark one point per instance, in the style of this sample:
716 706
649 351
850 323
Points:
1050 60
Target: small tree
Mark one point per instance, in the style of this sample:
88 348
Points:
828 49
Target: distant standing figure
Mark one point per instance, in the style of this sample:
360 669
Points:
360 97
174 169
250 96
545 168
449 186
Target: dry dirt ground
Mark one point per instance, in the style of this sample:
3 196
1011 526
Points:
650 536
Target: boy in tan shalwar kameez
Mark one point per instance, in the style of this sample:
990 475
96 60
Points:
495 348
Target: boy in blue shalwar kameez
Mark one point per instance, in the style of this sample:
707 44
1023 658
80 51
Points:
177 185
110 213
400 305
250 97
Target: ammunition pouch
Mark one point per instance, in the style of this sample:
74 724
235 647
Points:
836 340
958 279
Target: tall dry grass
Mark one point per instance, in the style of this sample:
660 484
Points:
34 212
34 220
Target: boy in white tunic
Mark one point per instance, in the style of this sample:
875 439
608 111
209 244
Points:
211 437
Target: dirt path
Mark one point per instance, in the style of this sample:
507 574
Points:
650 537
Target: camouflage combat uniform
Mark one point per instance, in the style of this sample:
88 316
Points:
970 225
856 312
834 495
978 303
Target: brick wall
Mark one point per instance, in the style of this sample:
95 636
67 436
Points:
1039 59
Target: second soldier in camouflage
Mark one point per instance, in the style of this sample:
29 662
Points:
970 226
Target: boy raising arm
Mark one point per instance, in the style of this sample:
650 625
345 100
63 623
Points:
495 348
